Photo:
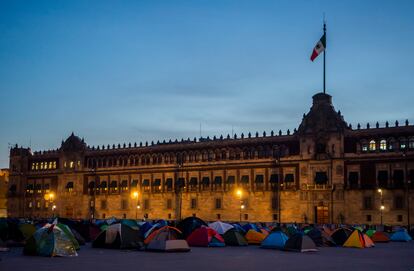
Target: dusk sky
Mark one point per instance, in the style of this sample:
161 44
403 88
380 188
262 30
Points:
131 71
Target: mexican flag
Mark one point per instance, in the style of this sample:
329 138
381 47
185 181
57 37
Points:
319 48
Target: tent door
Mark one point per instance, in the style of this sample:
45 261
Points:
321 215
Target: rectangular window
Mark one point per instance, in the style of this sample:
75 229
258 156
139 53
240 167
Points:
169 204
146 204
399 218
399 202
275 217
169 216
38 204
193 203
367 203
30 205
369 218
218 216
218 204
246 216
103 204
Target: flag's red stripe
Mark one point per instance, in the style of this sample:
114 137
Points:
314 55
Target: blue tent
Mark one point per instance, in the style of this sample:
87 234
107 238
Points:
145 227
239 228
251 226
276 239
401 236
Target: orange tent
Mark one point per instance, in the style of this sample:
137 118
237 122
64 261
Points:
254 238
359 240
380 236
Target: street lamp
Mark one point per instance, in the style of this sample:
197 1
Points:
134 195
239 193
382 207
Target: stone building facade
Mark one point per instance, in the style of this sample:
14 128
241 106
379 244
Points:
4 182
324 171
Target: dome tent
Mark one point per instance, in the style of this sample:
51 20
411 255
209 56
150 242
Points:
205 237
118 236
50 241
300 243
275 239
233 237
166 239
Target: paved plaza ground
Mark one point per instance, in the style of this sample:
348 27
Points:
391 256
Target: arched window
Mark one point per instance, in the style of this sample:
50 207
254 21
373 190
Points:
383 145
372 145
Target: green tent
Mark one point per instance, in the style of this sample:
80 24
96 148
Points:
27 230
70 235
234 238
370 232
50 241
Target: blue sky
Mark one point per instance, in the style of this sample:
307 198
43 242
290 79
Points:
126 71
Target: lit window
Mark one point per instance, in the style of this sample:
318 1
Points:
71 164
403 144
78 163
50 165
54 164
33 166
45 165
383 145
41 165
65 165
364 147
411 143
372 145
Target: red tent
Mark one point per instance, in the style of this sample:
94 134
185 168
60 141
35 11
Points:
205 237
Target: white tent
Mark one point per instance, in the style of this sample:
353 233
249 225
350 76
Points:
220 227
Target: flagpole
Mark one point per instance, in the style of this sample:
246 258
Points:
324 54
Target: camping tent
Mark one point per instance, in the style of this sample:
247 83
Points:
118 236
220 227
251 226
358 240
234 238
50 240
205 237
27 230
380 237
166 239
275 239
300 243
254 238
189 224
316 236
340 235
401 236
70 235
370 232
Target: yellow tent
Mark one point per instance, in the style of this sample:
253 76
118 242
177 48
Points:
254 238
356 239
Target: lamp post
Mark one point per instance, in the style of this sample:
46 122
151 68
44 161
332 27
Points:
134 195
239 193
382 207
